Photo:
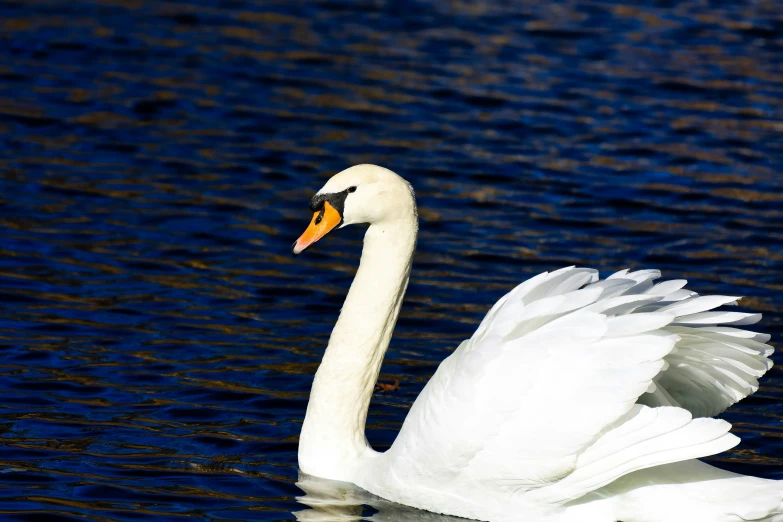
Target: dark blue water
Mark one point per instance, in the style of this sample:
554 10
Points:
157 341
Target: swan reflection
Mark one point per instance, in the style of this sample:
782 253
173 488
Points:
332 501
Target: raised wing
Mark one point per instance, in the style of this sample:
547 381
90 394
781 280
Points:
552 395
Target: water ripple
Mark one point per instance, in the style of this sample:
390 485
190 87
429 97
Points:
157 341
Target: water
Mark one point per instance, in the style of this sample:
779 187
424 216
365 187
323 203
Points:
157 340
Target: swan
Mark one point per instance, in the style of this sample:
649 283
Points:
576 399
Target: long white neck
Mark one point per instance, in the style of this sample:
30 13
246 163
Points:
332 439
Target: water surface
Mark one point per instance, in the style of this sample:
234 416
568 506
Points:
157 340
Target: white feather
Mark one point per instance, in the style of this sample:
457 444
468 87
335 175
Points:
563 390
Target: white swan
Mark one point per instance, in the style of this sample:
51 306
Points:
576 399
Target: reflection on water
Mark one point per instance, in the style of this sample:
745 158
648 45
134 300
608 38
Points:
157 341
332 501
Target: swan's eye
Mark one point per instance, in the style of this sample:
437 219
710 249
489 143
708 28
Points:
351 189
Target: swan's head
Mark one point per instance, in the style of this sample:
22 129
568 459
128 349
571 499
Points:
360 194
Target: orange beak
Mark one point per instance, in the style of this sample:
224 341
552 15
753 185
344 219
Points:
323 222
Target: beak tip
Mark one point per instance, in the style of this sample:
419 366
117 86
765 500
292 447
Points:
293 249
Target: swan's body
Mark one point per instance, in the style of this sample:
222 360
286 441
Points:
576 399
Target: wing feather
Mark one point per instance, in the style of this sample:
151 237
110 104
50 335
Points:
571 382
